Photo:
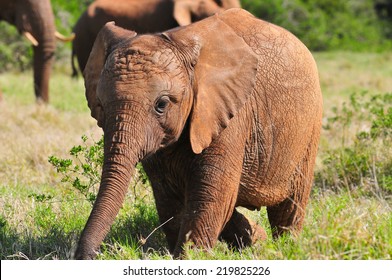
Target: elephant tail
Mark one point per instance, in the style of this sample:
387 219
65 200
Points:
74 70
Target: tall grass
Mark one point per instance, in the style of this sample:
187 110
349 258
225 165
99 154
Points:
41 217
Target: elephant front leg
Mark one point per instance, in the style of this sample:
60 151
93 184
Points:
209 206
169 200
170 213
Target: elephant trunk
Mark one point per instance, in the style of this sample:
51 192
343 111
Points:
122 151
37 18
43 59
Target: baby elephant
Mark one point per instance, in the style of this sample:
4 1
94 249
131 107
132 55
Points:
222 113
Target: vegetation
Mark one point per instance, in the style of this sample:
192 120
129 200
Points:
50 156
362 161
330 24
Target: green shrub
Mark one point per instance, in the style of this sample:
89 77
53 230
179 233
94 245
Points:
326 24
363 160
15 52
83 171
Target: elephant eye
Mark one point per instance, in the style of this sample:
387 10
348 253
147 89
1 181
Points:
161 104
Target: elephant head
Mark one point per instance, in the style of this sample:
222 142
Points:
35 20
188 11
145 91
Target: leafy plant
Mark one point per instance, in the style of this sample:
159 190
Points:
83 172
364 127
327 24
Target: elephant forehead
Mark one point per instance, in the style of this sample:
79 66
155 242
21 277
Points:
133 73
152 70
142 63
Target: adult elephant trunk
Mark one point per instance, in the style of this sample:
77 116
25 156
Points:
122 150
35 19
43 59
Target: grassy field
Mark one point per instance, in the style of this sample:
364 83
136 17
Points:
349 215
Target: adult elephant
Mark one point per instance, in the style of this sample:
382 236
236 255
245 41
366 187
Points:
141 16
224 112
34 19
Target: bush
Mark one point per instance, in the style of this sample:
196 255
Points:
15 52
83 171
364 160
326 24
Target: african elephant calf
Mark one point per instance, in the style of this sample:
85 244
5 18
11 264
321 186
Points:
222 113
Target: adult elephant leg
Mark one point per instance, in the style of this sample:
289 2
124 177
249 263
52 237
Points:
240 232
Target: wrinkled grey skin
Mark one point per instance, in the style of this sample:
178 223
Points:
225 112
140 16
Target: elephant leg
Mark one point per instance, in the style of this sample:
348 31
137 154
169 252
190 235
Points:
168 199
210 199
170 214
288 215
240 232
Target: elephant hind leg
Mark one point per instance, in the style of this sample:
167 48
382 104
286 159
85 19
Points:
241 232
288 215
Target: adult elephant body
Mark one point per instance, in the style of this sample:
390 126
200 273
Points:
222 113
35 20
141 16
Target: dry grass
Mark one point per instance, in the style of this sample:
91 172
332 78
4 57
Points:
342 73
30 134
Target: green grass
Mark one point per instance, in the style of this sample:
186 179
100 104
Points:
66 93
42 217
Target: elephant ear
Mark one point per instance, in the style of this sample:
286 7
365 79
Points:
223 78
186 11
109 36
182 12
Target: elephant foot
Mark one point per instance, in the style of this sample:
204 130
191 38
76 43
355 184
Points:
240 232
258 233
